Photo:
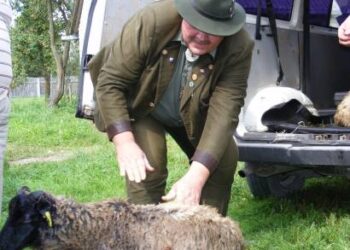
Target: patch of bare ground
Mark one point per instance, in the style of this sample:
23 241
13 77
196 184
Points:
50 157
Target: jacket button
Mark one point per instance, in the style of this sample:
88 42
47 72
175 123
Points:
164 52
151 104
194 77
211 66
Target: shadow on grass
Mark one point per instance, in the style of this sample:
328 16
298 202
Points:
323 195
320 199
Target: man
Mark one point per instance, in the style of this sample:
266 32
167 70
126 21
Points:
5 80
179 67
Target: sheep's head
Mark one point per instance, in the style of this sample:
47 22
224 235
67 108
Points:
28 212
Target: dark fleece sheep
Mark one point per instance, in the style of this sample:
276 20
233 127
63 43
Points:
39 220
342 115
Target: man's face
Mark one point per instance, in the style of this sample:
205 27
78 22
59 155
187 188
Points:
199 42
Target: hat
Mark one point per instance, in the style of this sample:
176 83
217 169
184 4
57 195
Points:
215 17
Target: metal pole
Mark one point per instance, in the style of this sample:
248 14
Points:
38 87
306 49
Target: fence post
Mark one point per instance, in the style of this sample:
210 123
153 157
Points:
38 87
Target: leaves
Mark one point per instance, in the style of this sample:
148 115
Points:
32 53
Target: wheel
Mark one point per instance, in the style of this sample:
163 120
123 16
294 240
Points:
258 186
278 185
282 185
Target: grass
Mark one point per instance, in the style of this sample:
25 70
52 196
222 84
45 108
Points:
314 218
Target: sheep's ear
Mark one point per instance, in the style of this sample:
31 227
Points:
24 190
20 199
17 204
45 204
43 201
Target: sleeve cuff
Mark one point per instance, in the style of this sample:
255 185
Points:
117 128
206 159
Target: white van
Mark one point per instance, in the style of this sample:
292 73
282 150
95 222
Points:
299 74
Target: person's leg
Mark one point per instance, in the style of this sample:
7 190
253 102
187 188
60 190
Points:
217 190
4 114
150 136
180 136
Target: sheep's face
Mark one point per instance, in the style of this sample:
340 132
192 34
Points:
26 216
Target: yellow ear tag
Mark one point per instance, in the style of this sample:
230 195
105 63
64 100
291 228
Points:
47 217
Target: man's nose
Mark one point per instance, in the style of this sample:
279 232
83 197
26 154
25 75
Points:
202 36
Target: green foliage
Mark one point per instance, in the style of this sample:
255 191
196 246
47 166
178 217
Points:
73 67
315 218
62 13
31 53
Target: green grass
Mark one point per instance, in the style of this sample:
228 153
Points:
315 218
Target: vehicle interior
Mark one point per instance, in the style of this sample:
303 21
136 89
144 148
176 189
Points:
296 58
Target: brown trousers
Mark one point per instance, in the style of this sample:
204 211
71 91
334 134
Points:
150 136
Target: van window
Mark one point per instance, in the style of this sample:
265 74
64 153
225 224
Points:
325 13
329 13
320 11
282 8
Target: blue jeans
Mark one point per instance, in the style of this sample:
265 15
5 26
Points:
4 116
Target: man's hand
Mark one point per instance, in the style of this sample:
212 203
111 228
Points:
344 32
131 159
188 189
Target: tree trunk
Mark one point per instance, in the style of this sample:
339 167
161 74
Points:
62 60
60 84
47 79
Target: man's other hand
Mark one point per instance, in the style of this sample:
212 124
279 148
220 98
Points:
132 161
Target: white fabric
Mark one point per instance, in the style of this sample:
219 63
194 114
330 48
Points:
335 12
5 48
190 57
5 11
4 115
5 80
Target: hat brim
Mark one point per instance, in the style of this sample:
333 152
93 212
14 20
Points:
211 26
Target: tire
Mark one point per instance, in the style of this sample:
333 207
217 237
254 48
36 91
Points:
258 186
279 185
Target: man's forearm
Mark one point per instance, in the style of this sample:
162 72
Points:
199 172
123 137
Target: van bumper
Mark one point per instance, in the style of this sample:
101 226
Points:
293 154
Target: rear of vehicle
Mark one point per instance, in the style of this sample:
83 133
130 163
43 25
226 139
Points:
299 74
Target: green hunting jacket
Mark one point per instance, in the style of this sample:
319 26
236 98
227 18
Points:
131 74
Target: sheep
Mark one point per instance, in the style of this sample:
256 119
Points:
42 221
342 115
